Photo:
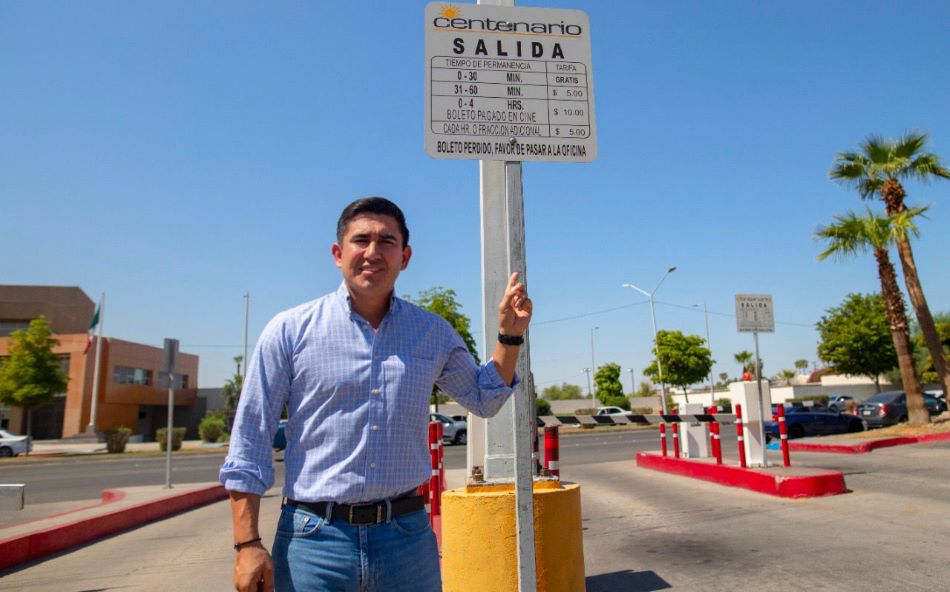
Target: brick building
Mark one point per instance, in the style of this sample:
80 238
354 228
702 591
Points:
132 392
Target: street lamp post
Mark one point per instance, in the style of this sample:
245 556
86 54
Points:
590 390
712 385
633 382
593 365
659 366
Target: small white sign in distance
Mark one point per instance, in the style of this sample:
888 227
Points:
754 313
507 83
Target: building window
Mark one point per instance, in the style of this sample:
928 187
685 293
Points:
8 327
126 375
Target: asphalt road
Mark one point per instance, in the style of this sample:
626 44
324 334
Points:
644 531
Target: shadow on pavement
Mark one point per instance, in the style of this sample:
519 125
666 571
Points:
626 581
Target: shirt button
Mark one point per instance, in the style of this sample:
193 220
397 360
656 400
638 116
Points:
372 465
375 427
376 391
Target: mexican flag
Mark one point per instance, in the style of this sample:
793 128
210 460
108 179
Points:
92 329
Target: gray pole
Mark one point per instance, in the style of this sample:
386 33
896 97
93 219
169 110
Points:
633 380
593 364
590 390
712 384
247 300
758 385
168 436
659 365
95 372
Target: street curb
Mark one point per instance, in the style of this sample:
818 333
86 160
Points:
822 483
866 447
43 543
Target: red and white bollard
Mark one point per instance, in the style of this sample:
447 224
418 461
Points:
435 479
716 443
783 434
663 438
676 440
739 433
552 451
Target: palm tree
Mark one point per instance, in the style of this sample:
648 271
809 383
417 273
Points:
801 365
787 375
850 235
878 168
744 359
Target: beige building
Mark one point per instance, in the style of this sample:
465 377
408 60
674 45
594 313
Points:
133 392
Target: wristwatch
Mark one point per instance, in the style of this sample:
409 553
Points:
510 339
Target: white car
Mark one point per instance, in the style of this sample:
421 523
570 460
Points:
453 432
839 402
611 411
12 445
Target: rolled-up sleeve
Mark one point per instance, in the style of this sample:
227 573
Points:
480 389
248 467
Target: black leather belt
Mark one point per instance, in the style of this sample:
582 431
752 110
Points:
368 513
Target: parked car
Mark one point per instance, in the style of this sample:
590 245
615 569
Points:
890 407
839 402
280 439
611 411
453 432
12 445
802 421
459 418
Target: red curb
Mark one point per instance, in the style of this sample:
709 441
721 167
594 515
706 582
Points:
42 543
821 483
866 447
108 496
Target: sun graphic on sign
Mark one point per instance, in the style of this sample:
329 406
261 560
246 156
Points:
450 12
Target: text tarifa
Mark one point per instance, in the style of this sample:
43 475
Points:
518 49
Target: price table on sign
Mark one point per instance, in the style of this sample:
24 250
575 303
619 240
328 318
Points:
508 84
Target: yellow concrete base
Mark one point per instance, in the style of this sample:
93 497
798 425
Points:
480 545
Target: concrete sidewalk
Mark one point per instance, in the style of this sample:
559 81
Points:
66 447
117 510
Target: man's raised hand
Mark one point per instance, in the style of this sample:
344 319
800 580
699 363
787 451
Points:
514 311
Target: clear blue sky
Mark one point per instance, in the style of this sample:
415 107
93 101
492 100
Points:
175 154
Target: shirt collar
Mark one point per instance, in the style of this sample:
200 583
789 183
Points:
346 301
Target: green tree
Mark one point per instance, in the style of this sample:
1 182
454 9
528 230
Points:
856 337
609 390
723 379
852 234
645 390
442 302
685 359
31 375
542 407
563 391
925 364
878 169
801 365
231 392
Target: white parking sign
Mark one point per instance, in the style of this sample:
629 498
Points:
506 83
754 313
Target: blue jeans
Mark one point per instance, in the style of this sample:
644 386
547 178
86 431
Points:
313 553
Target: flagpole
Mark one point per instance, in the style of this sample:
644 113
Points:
91 429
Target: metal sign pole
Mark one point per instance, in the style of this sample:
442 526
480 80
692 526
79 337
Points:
758 386
171 357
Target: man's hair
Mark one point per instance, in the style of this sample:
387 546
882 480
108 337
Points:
371 205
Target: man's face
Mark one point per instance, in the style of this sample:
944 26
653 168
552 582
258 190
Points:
372 255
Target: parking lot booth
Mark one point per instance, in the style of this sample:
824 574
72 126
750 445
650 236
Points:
748 397
694 436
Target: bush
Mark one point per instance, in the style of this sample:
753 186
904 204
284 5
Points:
161 435
116 439
585 411
224 438
542 406
725 404
211 427
642 411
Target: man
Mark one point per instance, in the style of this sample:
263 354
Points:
355 369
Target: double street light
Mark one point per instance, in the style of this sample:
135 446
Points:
659 366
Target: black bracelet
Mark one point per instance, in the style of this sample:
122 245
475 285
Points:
237 546
510 339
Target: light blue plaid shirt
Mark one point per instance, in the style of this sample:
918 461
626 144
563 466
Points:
357 400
